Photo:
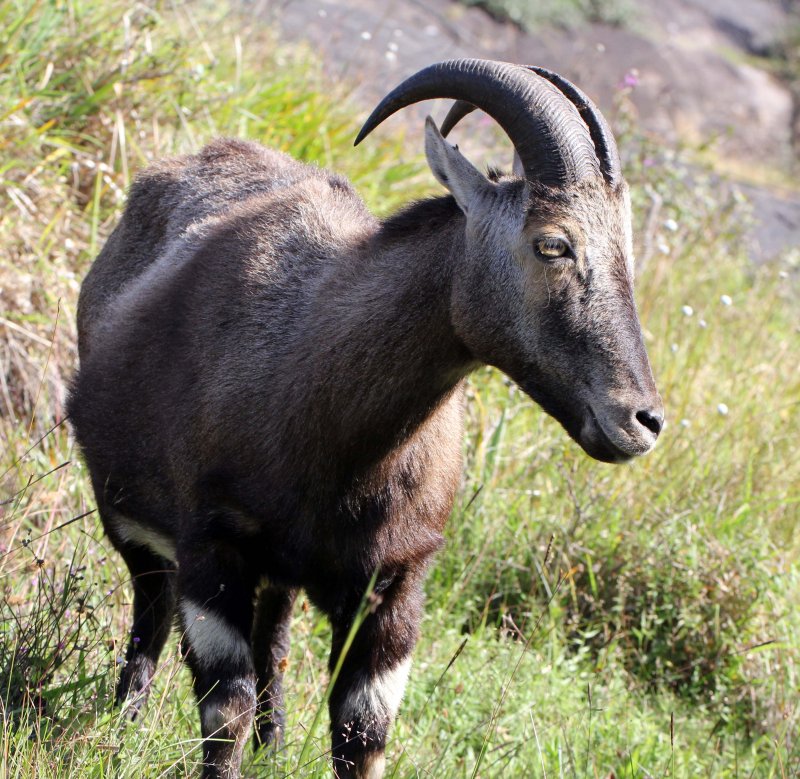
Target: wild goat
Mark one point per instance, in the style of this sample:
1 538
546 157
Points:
271 386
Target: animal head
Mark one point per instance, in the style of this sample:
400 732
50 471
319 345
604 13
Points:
544 289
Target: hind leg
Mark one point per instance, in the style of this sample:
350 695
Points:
216 592
153 581
270 641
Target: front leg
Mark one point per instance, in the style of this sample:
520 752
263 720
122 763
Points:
370 686
216 609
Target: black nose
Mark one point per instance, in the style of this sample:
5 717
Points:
652 420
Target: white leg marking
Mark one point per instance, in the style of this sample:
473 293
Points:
229 714
210 637
141 535
378 695
373 767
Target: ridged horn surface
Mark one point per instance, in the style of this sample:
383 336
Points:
604 143
548 133
603 139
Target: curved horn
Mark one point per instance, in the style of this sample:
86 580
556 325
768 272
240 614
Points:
547 131
604 143
602 137
457 112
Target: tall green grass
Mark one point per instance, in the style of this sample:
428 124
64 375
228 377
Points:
583 620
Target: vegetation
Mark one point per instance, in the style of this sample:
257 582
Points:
583 620
565 13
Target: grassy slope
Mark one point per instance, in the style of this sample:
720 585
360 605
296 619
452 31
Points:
596 603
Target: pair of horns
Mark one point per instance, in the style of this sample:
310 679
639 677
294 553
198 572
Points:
559 134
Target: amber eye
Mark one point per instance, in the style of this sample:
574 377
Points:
552 248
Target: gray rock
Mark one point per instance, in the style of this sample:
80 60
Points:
696 79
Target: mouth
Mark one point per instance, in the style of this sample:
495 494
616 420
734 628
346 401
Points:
597 444
585 428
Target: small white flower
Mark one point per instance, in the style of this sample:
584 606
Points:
663 247
685 423
726 300
392 46
722 409
671 225
673 348
702 323
390 56
366 35
687 310
782 274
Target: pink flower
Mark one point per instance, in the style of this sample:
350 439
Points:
631 79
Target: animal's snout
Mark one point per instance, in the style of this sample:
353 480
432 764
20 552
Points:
652 419
642 427
616 433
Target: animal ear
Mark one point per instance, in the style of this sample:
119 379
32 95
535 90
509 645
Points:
452 169
518 168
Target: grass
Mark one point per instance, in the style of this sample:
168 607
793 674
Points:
582 620
563 13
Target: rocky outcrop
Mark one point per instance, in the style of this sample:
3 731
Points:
695 65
